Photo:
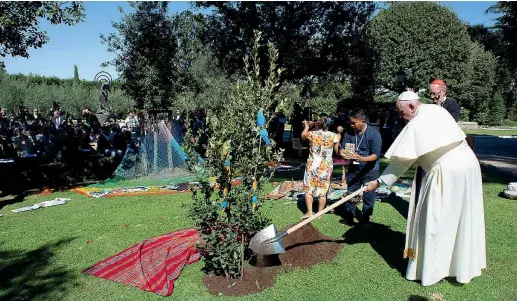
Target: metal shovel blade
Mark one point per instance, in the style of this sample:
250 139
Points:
258 246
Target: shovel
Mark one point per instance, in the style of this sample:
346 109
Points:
268 241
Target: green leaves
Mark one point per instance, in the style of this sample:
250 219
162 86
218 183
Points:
506 24
312 38
480 83
19 24
231 117
424 37
145 47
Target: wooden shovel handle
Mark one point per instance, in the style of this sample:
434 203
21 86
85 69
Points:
310 219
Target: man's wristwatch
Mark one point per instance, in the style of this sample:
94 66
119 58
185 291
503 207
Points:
379 182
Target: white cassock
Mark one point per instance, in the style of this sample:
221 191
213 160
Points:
445 235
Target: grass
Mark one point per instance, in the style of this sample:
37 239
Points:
486 132
43 252
483 132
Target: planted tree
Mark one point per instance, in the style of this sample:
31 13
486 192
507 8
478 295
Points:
327 93
238 146
506 24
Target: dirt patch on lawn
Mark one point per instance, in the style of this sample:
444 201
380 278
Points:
303 248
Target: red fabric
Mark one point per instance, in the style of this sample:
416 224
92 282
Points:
153 264
438 82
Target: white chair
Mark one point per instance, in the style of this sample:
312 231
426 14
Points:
297 146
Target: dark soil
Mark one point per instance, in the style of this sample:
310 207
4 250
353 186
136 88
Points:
303 248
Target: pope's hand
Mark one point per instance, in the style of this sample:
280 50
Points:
371 186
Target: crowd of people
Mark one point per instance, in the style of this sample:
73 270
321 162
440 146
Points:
57 136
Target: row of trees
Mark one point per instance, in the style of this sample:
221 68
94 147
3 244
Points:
192 53
429 41
332 51
37 92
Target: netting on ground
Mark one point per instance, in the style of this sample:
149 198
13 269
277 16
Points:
154 157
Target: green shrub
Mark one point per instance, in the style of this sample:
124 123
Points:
509 123
497 110
464 115
481 117
323 105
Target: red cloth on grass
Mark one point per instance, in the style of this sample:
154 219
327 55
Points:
153 264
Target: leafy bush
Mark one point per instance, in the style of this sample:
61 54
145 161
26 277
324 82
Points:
229 217
508 123
497 110
464 115
481 117
323 105
480 86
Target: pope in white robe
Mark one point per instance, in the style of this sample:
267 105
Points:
445 235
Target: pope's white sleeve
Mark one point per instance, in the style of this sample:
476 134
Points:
395 169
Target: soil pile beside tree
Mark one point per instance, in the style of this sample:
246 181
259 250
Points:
303 248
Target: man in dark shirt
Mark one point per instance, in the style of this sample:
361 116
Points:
367 142
92 120
438 93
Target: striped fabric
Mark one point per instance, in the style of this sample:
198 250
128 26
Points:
153 264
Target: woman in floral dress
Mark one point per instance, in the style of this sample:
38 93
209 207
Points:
318 173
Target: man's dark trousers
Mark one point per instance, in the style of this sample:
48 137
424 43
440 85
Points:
356 179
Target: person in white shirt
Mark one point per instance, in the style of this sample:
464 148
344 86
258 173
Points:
445 234
131 120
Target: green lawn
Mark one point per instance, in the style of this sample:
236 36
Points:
485 132
44 251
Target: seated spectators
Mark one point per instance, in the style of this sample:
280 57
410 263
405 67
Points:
104 143
131 121
60 137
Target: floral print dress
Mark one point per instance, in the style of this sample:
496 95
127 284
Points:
318 173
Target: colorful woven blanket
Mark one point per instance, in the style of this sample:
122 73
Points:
153 264
96 192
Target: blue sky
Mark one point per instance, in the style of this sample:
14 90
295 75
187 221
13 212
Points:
81 45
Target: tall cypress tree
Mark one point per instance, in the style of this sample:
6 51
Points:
76 75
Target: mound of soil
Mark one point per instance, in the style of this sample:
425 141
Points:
303 248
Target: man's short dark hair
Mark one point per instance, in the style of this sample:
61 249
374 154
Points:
358 113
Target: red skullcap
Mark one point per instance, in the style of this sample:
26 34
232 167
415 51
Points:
438 82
